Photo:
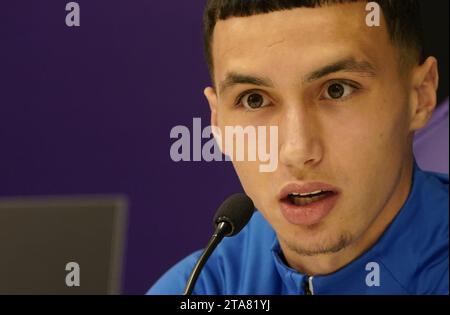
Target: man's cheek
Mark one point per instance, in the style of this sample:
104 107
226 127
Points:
253 181
248 172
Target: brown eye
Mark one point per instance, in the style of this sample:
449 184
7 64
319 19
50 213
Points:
253 101
336 91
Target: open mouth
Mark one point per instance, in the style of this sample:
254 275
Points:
307 198
307 203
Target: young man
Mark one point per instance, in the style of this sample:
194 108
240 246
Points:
347 211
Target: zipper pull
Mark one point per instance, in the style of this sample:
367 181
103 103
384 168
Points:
308 286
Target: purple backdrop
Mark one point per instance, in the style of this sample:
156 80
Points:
89 110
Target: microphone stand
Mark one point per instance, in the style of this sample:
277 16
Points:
223 229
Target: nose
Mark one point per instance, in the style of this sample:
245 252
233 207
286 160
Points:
300 138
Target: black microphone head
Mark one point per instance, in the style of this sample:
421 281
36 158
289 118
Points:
236 210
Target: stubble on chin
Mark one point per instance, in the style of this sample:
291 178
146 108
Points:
323 247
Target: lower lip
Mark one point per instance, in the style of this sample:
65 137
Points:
309 214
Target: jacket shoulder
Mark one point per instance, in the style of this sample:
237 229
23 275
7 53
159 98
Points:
223 272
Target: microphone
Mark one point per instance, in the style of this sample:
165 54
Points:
232 215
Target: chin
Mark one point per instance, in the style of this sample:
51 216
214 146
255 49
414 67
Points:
319 244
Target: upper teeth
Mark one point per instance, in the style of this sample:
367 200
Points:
306 194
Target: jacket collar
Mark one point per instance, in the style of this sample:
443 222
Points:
392 253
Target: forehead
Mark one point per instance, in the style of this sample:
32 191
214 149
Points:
302 39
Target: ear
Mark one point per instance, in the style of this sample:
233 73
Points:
211 96
425 80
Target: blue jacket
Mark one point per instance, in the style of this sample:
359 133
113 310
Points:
411 257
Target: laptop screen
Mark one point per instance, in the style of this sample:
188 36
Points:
61 245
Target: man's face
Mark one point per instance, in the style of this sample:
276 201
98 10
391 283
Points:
333 87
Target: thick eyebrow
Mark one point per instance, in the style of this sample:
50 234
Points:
234 78
347 65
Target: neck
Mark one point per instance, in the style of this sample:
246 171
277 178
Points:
329 263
